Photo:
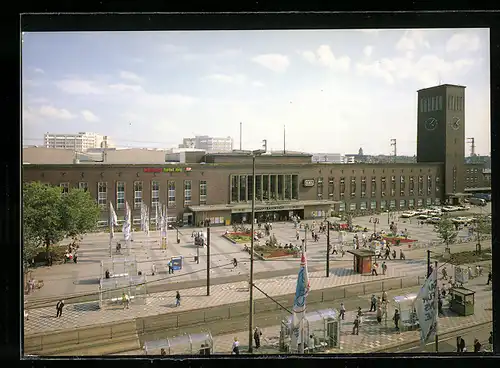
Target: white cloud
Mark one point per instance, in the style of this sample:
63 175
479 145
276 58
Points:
276 62
412 40
218 55
79 87
257 84
325 57
130 76
368 50
427 70
120 87
51 112
38 70
89 116
463 42
227 78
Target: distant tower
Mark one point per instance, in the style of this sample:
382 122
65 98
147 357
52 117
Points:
360 152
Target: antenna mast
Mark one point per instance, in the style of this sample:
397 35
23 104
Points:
394 150
241 134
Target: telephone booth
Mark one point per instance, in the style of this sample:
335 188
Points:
363 260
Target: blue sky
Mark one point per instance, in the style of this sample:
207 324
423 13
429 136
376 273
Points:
334 90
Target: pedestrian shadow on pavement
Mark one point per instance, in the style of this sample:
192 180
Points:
86 282
343 272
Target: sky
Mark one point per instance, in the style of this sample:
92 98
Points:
334 90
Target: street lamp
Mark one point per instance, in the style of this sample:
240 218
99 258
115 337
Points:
250 316
375 221
327 248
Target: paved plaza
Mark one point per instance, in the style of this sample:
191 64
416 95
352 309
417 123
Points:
372 336
79 315
83 277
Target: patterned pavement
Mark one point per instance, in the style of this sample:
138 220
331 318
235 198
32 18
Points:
78 315
372 336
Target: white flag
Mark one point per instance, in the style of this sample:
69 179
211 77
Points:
127 225
426 306
144 211
113 221
146 223
157 216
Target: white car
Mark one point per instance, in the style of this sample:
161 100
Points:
435 213
449 209
407 214
423 217
463 208
461 220
433 220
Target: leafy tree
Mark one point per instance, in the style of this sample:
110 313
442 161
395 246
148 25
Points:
49 216
446 231
41 214
79 212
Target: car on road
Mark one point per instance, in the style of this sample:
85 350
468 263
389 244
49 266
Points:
449 209
463 208
433 220
408 214
423 217
435 213
461 220
477 201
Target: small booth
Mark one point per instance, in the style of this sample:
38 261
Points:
363 260
323 325
405 305
119 267
111 290
462 301
188 344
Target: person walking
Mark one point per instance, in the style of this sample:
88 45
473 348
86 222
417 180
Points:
170 268
342 311
384 296
373 304
460 344
440 306
177 299
355 327
379 314
396 319
153 269
256 336
374 269
489 278
477 346
59 308
334 251
236 347
384 268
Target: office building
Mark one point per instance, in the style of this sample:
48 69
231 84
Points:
209 144
79 142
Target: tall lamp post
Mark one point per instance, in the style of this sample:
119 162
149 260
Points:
252 235
375 221
327 248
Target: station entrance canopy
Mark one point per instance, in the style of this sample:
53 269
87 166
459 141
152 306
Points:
262 207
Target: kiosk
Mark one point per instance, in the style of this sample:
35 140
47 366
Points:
363 260
462 301
177 263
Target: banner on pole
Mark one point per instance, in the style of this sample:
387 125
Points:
426 308
299 303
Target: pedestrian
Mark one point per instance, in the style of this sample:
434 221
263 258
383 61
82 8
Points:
379 314
163 352
373 304
334 251
460 344
75 257
489 278
387 253
394 254
256 336
477 346
177 299
170 268
236 347
355 327
384 296
401 254
384 268
342 311
396 319
59 308
297 236
126 301
153 269
440 305
235 262
374 269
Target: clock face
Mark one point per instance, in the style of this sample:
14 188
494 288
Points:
431 124
455 123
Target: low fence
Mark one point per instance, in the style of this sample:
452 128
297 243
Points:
146 325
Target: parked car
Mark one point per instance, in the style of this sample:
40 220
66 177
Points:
423 217
477 201
435 213
463 208
433 220
449 209
461 220
408 214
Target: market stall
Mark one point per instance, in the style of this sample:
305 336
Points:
462 301
322 325
188 344
405 305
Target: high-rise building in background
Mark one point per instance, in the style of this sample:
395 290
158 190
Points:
209 144
80 141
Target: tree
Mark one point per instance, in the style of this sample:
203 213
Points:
79 212
41 214
446 231
49 215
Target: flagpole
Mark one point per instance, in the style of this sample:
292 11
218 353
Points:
436 297
110 229
301 325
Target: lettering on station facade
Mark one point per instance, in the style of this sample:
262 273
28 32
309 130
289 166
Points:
166 169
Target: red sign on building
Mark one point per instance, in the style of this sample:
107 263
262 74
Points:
152 169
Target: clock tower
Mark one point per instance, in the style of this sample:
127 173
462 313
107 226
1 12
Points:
441 133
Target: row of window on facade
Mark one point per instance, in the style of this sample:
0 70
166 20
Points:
102 193
430 104
286 187
392 204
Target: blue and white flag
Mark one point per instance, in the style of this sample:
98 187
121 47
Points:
127 224
144 211
113 221
299 304
146 221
